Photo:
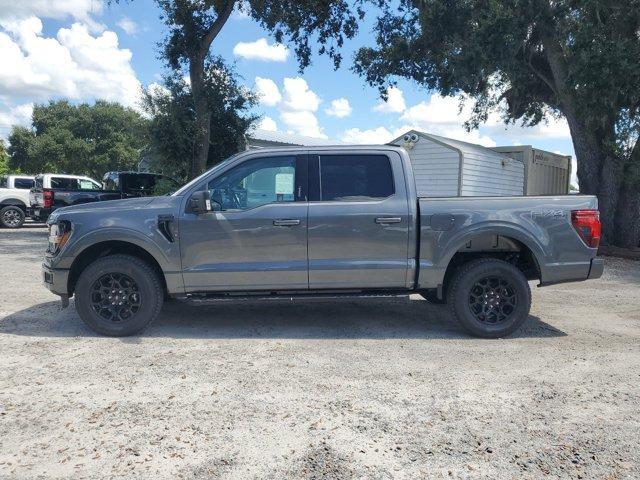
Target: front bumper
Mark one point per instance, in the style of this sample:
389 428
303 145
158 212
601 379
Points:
55 280
597 267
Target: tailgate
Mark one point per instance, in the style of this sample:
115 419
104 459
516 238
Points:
36 198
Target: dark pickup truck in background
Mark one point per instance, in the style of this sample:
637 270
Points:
53 191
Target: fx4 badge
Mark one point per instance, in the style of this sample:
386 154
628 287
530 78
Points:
555 214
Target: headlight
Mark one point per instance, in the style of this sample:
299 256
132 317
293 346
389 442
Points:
59 234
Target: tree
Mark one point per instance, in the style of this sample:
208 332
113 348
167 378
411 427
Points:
80 139
4 158
532 59
173 125
194 25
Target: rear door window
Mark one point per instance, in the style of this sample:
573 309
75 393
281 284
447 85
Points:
355 177
63 183
23 183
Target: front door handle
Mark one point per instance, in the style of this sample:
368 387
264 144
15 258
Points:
286 222
387 220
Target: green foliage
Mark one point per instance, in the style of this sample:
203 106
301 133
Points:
173 119
299 22
79 139
4 158
503 54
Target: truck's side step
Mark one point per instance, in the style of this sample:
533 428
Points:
302 295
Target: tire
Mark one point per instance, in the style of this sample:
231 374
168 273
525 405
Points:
11 217
431 296
490 298
118 295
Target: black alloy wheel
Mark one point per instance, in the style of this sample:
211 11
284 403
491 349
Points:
489 297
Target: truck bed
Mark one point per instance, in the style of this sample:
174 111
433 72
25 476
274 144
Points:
540 224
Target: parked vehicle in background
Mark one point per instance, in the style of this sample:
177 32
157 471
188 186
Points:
53 191
139 184
332 221
14 199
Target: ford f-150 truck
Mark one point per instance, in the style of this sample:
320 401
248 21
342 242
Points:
332 221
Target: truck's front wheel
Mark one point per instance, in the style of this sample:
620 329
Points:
118 295
489 297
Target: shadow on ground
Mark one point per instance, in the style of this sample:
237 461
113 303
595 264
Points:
300 319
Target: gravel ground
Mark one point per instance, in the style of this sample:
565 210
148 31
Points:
319 389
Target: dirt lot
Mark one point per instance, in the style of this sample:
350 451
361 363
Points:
354 389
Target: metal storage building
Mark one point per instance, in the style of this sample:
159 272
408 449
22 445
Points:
545 173
449 168
259 138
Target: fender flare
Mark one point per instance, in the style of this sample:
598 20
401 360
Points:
120 234
13 202
537 247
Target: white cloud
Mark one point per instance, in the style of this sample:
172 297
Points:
74 64
80 10
18 115
129 26
298 96
261 50
395 102
268 91
268 123
339 108
372 136
303 123
296 104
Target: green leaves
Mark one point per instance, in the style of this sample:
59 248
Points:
173 128
80 139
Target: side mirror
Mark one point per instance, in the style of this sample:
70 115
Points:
200 202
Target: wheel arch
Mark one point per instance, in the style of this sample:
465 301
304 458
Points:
13 202
503 242
111 247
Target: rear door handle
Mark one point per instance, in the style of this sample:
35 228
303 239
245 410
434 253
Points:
386 220
286 222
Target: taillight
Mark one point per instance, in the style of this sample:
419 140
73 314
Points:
587 224
47 196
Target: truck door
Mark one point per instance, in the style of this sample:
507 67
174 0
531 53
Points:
258 238
358 221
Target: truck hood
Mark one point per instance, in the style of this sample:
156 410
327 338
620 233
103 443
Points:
108 206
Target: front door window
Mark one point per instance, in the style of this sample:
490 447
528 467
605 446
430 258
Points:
254 183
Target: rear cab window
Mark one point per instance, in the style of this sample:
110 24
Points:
353 177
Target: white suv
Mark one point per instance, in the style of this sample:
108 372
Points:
14 199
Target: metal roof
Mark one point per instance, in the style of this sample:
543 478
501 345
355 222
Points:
282 138
459 145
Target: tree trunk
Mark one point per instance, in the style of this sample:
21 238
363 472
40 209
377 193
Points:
598 173
198 90
627 225
203 116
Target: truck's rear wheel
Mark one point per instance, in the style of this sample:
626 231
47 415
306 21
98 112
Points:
118 295
489 297
11 217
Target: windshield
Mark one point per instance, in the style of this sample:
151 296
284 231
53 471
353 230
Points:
199 178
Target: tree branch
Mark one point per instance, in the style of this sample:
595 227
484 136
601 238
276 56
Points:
213 32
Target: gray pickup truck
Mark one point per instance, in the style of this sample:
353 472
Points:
332 221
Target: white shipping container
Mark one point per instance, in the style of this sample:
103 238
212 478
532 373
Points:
546 173
449 168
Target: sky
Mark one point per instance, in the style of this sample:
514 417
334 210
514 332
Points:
85 50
